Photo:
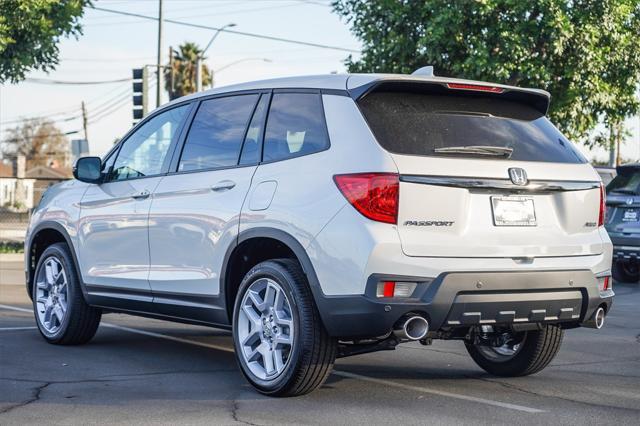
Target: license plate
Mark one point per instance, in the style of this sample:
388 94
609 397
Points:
513 211
630 215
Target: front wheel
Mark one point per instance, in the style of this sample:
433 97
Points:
520 354
280 342
62 315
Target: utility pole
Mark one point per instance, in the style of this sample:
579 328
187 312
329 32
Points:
172 84
198 74
84 121
159 67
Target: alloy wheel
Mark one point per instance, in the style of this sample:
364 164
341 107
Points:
506 351
266 329
52 295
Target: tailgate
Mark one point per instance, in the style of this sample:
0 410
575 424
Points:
447 216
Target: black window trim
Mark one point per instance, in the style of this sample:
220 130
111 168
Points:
175 162
319 92
170 151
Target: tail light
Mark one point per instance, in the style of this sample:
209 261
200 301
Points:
374 195
603 205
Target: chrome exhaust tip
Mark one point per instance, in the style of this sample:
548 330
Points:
598 318
413 327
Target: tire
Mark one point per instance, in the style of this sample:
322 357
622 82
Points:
79 321
308 360
537 349
626 272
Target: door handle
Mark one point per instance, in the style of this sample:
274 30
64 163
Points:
141 195
223 185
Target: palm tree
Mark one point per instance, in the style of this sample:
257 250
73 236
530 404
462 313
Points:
183 71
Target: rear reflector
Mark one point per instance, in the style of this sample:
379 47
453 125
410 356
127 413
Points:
604 283
374 195
476 87
395 289
603 205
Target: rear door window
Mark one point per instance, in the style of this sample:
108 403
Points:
216 134
295 126
428 124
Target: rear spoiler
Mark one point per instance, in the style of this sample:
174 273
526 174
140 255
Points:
538 99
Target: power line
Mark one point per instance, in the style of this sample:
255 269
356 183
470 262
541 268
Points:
243 33
48 114
47 81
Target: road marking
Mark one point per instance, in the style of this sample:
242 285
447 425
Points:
422 389
15 308
419 389
168 337
17 328
137 331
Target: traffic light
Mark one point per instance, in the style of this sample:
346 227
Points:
140 93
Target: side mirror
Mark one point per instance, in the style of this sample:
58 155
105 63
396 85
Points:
88 169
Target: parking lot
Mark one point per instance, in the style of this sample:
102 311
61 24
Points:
144 371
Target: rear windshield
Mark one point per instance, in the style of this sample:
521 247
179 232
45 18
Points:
626 182
428 124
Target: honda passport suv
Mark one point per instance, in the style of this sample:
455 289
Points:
623 222
329 216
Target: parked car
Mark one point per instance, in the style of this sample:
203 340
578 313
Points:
606 174
623 222
329 216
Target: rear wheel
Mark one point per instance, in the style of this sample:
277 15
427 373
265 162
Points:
626 272
280 342
61 313
520 354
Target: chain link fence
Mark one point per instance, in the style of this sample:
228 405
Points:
18 197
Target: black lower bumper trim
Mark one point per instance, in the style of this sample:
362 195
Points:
454 300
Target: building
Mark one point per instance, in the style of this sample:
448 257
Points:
16 189
20 189
44 177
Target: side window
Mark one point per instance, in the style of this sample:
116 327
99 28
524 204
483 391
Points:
251 147
215 136
145 151
295 126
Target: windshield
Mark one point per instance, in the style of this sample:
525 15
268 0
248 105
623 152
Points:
627 182
454 125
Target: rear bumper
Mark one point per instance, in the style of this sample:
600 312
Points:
463 299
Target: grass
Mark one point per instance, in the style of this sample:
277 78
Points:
11 247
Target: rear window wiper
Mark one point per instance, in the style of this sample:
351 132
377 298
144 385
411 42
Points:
490 151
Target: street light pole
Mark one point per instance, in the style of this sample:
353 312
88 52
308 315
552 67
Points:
201 56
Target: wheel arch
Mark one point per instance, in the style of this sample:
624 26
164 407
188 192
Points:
251 249
43 235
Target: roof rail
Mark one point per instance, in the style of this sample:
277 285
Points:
428 71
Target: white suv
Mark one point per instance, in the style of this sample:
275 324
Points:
329 216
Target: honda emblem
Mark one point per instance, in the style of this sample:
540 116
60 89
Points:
518 176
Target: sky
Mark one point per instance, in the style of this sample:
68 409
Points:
112 45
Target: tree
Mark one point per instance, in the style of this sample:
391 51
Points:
184 71
39 141
584 52
30 31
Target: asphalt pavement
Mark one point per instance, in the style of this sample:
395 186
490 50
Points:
142 371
